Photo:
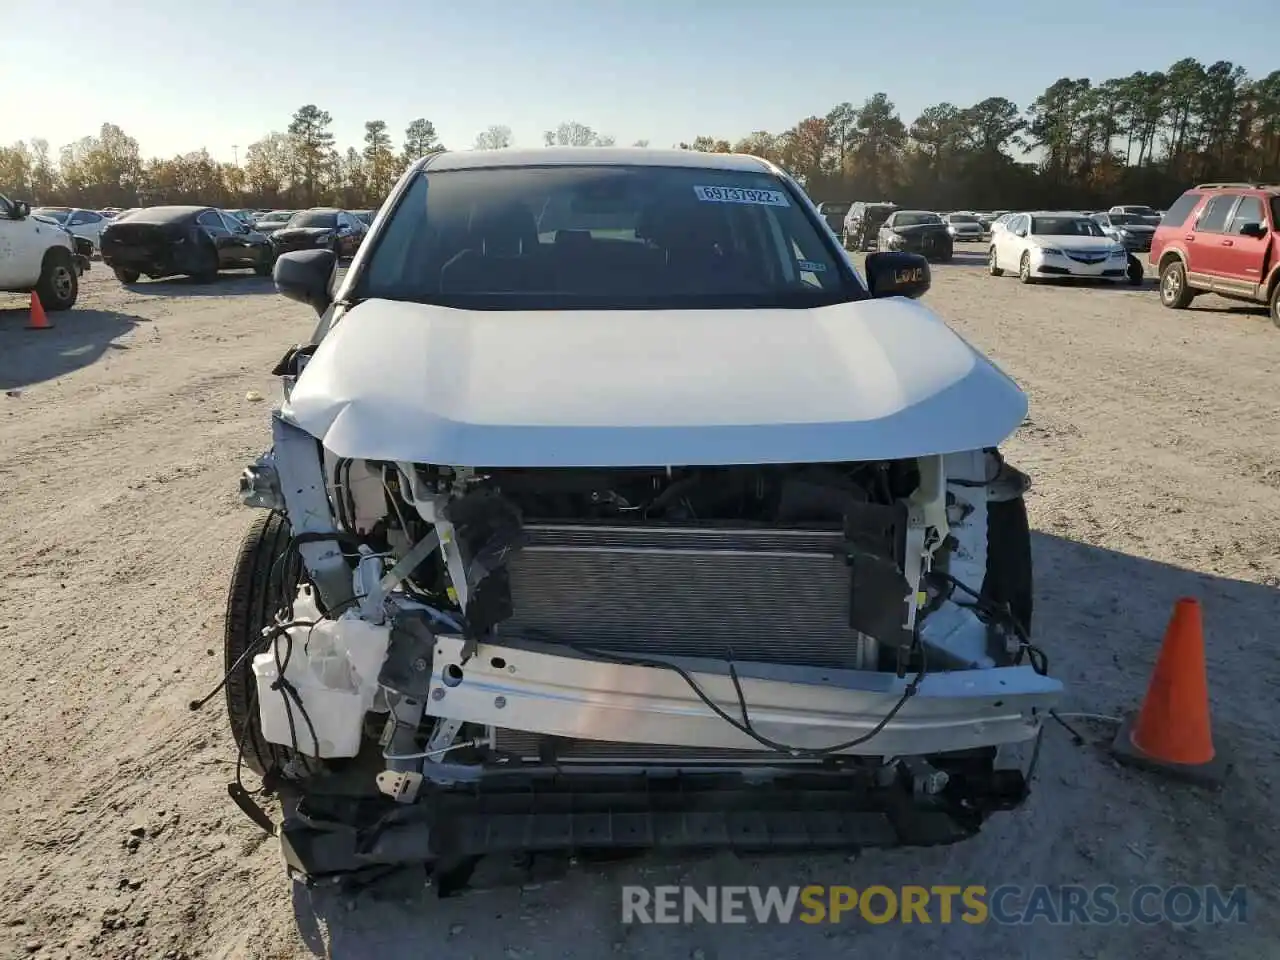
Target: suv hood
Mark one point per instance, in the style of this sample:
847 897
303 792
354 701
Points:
874 379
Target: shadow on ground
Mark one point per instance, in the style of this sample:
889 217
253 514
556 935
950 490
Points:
969 256
1100 615
78 339
239 283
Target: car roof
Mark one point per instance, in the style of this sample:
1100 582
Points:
1056 213
166 214
597 156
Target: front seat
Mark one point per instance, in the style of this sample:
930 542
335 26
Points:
497 256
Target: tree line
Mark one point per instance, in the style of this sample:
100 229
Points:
1141 139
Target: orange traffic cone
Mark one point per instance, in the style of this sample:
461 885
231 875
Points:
1172 733
38 321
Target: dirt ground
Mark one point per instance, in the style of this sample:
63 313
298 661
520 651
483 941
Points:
1154 444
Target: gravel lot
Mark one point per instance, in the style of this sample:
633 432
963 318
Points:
1156 455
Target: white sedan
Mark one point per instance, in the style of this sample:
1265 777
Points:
1047 245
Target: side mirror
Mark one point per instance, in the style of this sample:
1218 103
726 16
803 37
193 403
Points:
893 274
21 210
1253 229
304 276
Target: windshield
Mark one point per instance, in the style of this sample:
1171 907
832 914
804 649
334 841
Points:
1141 211
915 219
1066 227
962 218
314 218
53 213
838 209
365 217
1125 219
605 236
275 217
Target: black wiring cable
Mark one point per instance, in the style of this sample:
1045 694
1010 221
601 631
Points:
287 690
744 726
1039 662
1038 659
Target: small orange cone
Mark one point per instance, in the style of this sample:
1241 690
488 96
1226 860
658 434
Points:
1172 732
38 321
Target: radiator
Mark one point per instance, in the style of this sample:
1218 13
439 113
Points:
775 596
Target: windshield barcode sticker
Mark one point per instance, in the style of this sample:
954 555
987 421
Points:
766 198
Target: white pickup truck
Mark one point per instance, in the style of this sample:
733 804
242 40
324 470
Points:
36 255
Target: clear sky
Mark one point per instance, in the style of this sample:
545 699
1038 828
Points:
179 74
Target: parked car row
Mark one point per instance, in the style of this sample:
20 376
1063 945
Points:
878 225
1221 238
200 241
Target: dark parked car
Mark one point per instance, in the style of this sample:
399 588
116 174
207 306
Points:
1132 230
916 231
171 241
321 228
862 223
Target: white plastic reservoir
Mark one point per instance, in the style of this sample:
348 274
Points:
334 667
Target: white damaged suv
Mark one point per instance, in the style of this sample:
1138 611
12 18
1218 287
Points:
610 507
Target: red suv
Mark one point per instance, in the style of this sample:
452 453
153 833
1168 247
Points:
1221 238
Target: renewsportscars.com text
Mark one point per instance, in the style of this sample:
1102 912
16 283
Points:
940 903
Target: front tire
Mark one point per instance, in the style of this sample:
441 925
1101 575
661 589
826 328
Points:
265 266
261 581
1024 269
59 283
1174 292
125 276
993 263
1136 273
1275 304
1009 575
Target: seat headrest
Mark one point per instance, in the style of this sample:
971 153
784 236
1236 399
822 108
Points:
505 230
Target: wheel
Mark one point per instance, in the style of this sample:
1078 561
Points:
59 283
1174 292
260 582
992 264
209 264
264 266
1009 575
1275 304
844 239
1024 269
1136 273
125 276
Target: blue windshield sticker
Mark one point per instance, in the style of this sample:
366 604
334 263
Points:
766 198
811 266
